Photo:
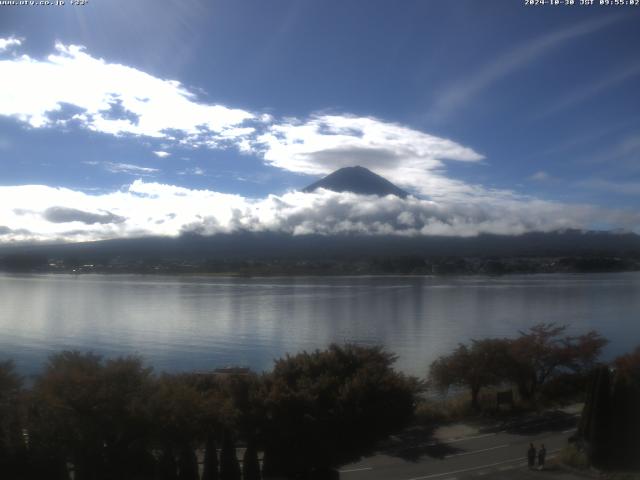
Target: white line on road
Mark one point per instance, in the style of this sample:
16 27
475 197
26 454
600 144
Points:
464 439
466 469
476 451
355 470
570 430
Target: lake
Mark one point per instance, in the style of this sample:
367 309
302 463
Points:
180 323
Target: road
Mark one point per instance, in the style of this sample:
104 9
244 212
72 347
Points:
495 454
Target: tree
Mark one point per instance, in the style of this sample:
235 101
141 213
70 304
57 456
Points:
12 447
167 466
327 407
64 417
210 468
126 387
94 412
542 351
176 409
187 464
10 390
250 463
625 408
610 422
481 364
229 466
595 424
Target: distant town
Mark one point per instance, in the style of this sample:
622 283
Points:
377 265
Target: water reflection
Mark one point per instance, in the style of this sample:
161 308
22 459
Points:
181 323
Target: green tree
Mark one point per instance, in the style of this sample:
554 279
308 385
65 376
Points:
65 414
177 412
126 387
327 407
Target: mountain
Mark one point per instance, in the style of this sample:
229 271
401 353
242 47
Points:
357 180
271 245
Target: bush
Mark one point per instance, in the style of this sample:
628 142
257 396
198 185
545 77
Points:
571 456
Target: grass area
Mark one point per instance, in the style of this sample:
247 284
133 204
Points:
457 407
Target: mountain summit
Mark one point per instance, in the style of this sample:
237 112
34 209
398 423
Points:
357 180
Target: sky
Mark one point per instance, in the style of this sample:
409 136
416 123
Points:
121 119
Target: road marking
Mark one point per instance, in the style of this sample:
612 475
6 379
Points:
476 451
355 470
456 440
570 430
435 475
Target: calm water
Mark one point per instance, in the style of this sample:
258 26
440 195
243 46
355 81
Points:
181 323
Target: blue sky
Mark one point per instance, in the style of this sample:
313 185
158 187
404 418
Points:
499 117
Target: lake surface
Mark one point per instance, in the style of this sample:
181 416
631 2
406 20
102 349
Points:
180 323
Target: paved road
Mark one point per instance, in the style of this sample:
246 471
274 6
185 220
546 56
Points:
490 455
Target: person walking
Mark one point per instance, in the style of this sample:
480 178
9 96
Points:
542 453
531 455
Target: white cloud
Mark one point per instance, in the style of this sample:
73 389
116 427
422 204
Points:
35 212
405 156
111 98
9 43
161 154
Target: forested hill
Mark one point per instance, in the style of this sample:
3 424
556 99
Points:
599 248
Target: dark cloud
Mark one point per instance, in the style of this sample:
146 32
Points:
64 215
4 230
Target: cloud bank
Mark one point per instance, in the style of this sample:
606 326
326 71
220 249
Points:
39 213
405 156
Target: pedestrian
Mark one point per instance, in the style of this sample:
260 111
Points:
541 454
531 455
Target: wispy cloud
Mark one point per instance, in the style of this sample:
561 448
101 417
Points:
609 186
128 168
540 176
161 154
192 171
591 90
463 91
623 153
